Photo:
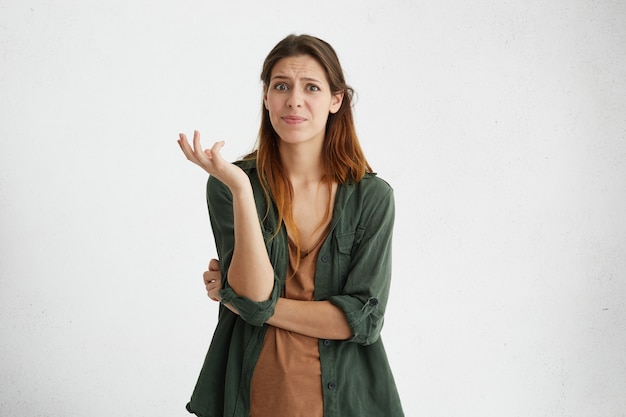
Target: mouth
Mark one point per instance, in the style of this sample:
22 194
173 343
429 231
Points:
293 120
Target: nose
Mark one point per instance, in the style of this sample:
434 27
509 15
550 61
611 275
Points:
295 99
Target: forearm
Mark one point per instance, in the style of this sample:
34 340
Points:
319 319
250 273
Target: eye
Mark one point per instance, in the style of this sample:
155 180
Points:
280 87
312 87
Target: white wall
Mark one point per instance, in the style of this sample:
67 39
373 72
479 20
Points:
501 126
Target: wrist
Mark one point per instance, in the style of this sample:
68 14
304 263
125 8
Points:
241 189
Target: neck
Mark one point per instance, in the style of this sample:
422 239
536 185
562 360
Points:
302 163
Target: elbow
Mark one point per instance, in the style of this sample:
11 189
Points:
365 318
256 290
368 333
256 313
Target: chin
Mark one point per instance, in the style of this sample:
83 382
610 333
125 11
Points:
293 139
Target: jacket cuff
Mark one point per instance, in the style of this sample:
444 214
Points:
364 318
254 312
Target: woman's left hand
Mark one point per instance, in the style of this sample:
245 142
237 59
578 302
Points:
213 280
213 283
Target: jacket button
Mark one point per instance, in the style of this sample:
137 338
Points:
325 258
332 385
327 343
373 302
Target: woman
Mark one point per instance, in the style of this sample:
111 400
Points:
303 231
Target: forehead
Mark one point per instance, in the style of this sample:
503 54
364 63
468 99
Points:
300 66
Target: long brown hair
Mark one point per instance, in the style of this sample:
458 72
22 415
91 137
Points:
343 158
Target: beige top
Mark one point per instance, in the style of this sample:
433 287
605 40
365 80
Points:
287 380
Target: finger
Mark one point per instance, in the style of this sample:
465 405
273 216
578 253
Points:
199 157
213 291
202 158
186 148
215 151
217 146
214 295
212 277
197 147
214 265
208 277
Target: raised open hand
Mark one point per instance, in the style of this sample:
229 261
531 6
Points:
212 162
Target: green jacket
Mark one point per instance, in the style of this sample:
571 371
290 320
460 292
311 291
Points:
353 272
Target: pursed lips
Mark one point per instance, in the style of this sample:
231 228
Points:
293 120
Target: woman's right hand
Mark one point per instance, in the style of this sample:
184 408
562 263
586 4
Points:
212 162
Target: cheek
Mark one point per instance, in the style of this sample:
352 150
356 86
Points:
273 111
323 109
272 104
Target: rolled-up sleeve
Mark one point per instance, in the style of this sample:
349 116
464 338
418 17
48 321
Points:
364 296
220 205
254 312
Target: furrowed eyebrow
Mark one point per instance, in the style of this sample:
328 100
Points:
284 77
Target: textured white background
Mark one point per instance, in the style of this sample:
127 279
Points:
500 124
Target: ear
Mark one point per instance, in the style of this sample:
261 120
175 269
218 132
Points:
265 100
335 102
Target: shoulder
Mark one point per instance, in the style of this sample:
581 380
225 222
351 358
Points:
371 196
367 205
371 185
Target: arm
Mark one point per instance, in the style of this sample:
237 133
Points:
318 319
357 311
249 256
363 297
250 274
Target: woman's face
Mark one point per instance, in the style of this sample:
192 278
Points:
299 100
